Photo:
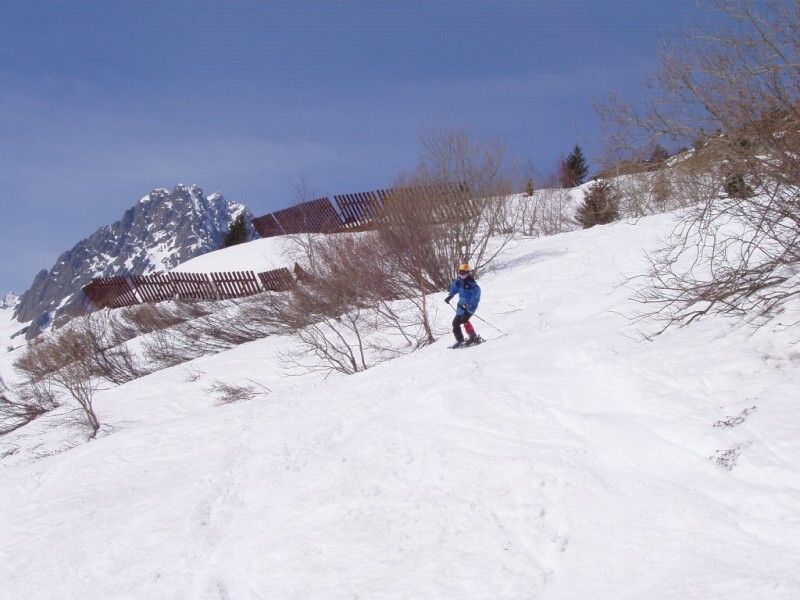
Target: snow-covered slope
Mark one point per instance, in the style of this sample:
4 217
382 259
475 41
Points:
564 459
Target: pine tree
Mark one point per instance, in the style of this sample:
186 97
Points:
659 154
573 170
237 232
600 206
529 187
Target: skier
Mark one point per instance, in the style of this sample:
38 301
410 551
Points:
469 294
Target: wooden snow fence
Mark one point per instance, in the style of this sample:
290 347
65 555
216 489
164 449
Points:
116 292
278 280
236 285
110 292
193 286
153 288
445 203
267 226
440 203
360 210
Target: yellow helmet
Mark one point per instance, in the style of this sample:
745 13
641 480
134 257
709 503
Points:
464 267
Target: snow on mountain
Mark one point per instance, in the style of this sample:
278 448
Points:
564 459
9 300
159 232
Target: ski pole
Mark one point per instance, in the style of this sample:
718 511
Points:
483 320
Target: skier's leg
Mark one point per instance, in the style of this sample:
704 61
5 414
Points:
457 328
473 336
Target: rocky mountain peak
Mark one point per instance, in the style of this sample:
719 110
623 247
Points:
161 231
9 300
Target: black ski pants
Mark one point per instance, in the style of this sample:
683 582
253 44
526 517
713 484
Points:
460 320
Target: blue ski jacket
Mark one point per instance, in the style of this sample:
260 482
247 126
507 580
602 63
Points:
469 294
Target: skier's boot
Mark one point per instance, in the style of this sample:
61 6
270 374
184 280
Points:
458 344
472 339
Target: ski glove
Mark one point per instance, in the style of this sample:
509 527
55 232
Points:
467 306
448 299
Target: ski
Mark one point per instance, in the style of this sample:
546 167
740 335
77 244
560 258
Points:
458 346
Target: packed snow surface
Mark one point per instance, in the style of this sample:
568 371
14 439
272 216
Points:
565 459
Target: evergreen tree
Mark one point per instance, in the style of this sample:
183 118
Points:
659 154
237 232
573 170
600 206
529 187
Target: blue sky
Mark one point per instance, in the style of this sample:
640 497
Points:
102 102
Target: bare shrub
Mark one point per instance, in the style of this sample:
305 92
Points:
76 379
16 412
345 310
554 210
90 339
448 209
67 361
145 318
169 347
201 329
108 355
193 374
228 393
733 96
645 193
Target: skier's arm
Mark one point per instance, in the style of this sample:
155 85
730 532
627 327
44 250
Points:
476 297
453 291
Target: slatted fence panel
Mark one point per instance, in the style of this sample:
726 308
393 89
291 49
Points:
239 284
277 280
267 226
359 210
439 203
156 287
112 292
193 286
316 216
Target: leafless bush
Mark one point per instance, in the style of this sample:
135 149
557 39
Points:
554 209
331 345
108 355
166 348
90 339
193 374
15 412
76 379
717 263
727 458
68 361
450 207
731 422
733 96
228 393
354 307
216 328
645 193
145 318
